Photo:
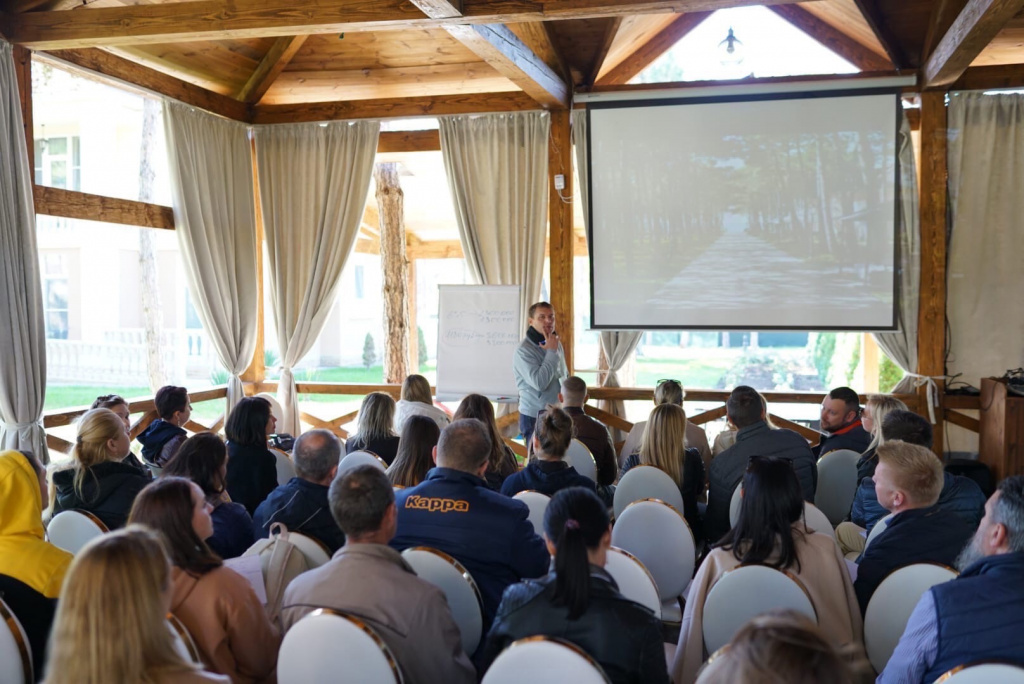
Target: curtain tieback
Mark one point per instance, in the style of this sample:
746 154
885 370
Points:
933 390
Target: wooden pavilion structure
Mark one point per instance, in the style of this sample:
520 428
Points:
274 61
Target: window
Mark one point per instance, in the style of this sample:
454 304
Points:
58 162
358 273
55 295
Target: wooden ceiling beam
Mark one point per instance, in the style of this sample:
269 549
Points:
440 9
879 26
653 49
971 32
832 38
270 67
81 205
944 13
602 52
998 77
409 141
537 37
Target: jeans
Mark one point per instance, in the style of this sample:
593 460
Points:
526 426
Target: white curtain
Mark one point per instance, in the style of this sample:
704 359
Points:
210 160
986 188
313 181
22 333
901 346
497 167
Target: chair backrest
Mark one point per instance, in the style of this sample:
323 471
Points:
878 529
537 502
331 646
635 582
358 458
16 665
735 503
984 673
544 660
817 521
463 595
891 605
71 530
633 439
276 409
646 482
659 537
580 458
837 484
746 592
285 467
314 550
184 644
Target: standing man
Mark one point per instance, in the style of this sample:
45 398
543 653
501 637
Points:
539 367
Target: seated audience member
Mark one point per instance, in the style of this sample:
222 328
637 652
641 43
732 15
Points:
417 401
579 601
217 605
908 480
876 408
841 424
959 495
454 511
252 467
502 461
371 580
119 405
663 447
374 428
754 437
979 616
111 624
770 531
301 503
672 392
415 452
31 569
590 431
548 472
727 437
98 481
203 458
164 435
784 646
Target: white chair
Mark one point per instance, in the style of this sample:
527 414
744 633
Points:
984 673
817 521
538 504
837 484
358 458
314 550
633 439
276 409
646 482
458 586
544 660
745 593
735 503
878 529
15 653
580 458
184 644
285 467
71 530
891 605
330 646
635 582
657 534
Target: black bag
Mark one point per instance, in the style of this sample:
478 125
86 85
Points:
975 470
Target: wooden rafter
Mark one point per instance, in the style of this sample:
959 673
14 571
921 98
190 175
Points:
537 37
82 205
602 52
653 49
398 107
944 13
270 67
832 38
971 32
991 78
409 141
440 9
873 16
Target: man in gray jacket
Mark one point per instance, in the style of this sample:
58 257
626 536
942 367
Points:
370 580
753 438
539 367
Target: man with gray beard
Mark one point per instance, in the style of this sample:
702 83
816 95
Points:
980 615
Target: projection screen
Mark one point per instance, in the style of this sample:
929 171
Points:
719 213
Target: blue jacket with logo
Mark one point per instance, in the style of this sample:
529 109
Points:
488 533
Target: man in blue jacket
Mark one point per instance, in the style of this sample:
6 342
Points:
453 511
840 421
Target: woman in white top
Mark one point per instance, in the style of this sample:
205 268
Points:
416 401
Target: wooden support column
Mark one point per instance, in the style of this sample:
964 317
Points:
257 370
23 72
394 280
931 322
414 336
560 230
869 354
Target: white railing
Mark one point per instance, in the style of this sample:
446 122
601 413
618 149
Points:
122 358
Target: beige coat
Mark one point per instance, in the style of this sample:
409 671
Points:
228 623
823 573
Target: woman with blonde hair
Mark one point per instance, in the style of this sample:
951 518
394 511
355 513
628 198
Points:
876 408
110 624
670 392
417 401
375 428
502 462
98 481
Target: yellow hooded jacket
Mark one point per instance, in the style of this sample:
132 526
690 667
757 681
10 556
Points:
24 555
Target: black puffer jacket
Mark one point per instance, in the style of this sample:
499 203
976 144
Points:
622 636
108 491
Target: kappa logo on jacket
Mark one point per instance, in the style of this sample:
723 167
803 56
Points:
437 504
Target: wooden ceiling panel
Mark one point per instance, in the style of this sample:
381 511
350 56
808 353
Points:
382 49
633 33
1006 48
908 21
581 42
845 16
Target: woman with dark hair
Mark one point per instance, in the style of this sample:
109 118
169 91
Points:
415 451
217 605
252 467
579 601
160 441
771 531
502 461
203 459
548 472
375 427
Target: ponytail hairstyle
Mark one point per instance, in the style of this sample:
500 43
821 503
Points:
575 522
554 432
95 428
